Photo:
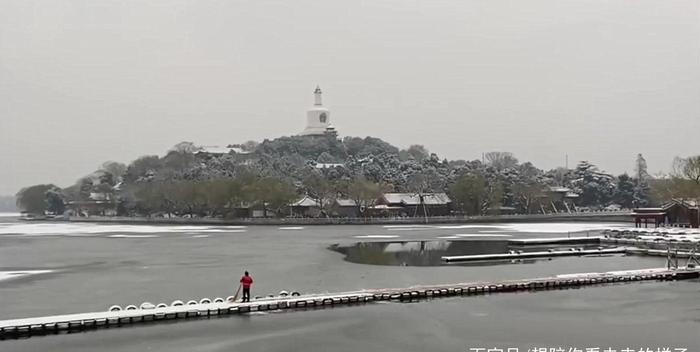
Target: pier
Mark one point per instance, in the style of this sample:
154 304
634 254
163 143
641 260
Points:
555 240
661 247
206 308
532 255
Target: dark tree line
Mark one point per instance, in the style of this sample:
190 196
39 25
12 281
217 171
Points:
273 173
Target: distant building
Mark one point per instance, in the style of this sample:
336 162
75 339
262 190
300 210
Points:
97 204
318 118
344 208
305 207
415 204
92 207
215 150
558 199
677 212
643 217
328 165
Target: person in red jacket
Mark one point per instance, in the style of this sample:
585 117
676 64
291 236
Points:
246 282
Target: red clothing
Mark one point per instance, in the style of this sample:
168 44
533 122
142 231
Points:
246 281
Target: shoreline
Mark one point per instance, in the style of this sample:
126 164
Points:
582 217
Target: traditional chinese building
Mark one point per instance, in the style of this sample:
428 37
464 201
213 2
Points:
643 217
305 207
415 204
677 212
557 199
345 208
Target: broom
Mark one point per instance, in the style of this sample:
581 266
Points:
235 296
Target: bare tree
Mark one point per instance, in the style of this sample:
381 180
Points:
186 147
501 160
366 193
688 168
320 189
116 169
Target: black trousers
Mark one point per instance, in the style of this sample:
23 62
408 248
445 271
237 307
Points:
246 294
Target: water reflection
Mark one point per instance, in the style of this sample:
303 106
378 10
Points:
415 253
430 253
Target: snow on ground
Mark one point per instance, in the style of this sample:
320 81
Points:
410 228
101 229
564 227
376 236
670 234
407 226
68 229
480 235
10 275
133 236
659 230
555 227
471 226
470 235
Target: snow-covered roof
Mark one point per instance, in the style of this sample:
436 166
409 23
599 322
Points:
414 198
305 202
328 165
688 203
346 202
215 149
660 213
384 207
99 196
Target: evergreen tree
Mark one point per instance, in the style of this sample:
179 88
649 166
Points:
641 183
625 191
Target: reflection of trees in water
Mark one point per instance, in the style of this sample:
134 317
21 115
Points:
416 253
370 253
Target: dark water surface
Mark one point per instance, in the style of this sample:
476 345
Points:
94 266
416 253
430 252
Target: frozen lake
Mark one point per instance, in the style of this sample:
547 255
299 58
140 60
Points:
52 268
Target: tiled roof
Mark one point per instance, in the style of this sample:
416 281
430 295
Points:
305 202
346 202
328 165
215 149
688 203
414 198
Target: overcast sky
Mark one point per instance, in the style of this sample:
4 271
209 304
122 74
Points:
83 82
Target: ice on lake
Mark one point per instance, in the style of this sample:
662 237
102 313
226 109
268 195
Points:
72 229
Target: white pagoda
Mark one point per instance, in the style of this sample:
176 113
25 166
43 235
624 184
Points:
318 118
